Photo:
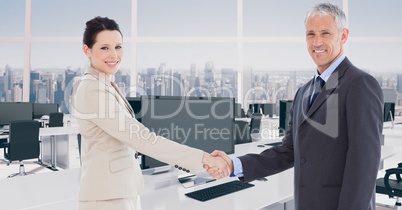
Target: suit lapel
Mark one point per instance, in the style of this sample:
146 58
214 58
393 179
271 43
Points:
307 96
330 86
121 99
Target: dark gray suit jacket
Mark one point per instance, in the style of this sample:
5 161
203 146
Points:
334 146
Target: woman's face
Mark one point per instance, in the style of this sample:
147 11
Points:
107 52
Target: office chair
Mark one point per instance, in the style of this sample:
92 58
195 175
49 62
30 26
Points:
391 187
55 119
23 143
255 124
79 145
242 132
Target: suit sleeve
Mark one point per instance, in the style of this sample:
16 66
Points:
272 160
106 113
364 107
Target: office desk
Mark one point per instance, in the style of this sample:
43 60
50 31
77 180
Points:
163 191
58 190
55 146
167 193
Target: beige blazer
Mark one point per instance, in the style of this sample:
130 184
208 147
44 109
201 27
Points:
110 137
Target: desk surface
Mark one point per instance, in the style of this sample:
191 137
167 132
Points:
58 190
53 131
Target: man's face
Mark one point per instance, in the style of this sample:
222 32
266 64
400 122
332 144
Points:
324 40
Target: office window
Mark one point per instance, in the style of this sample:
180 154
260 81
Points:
278 56
182 55
54 66
375 18
195 65
11 64
182 35
186 18
11 54
12 18
276 18
377 57
57 55
68 18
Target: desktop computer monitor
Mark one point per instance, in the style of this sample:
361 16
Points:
11 111
256 108
203 123
239 113
269 109
389 111
135 103
40 109
284 112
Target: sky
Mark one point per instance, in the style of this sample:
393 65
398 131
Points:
195 18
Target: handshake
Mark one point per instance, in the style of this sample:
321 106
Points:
217 164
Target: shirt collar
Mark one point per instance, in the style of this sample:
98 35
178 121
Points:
327 73
101 77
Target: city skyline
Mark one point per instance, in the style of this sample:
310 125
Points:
196 36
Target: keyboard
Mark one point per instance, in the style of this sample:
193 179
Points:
274 143
219 190
4 133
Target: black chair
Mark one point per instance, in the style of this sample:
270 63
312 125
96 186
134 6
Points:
56 119
23 143
255 124
391 187
79 145
242 132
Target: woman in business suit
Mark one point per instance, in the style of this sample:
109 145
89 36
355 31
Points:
111 177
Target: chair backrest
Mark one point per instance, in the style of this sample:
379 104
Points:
56 119
255 123
242 132
23 140
79 144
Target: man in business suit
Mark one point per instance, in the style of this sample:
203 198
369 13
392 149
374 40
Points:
333 140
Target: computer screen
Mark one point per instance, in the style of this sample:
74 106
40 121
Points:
389 111
11 111
256 108
284 112
269 109
135 103
238 110
203 123
40 109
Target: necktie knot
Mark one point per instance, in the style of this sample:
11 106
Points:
318 84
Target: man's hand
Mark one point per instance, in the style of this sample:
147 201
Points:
216 166
214 171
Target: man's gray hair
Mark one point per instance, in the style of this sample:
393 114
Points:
325 9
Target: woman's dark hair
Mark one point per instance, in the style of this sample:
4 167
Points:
97 25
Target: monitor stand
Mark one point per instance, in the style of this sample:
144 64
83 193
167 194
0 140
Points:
392 122
190 180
